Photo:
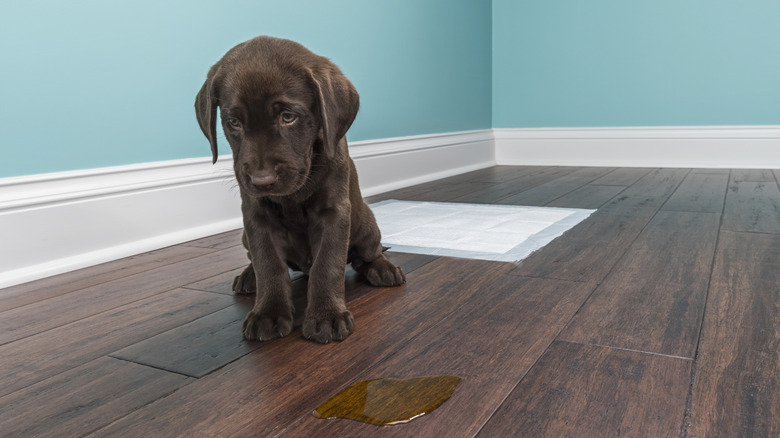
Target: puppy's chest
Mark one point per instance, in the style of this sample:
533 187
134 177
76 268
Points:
291 232
293 219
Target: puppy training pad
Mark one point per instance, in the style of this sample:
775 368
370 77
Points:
488 232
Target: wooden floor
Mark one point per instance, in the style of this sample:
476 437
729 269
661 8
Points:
658 316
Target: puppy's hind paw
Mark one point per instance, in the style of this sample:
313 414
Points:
245 283
381 272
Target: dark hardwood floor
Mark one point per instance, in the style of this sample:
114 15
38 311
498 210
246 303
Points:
659 315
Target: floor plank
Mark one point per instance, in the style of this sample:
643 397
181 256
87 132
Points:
660 183
221 283
477 179
449 192
545 193
45 315
752 175
34 291
47 354
84 398
499 191
700 192
523 316
736 384
587 391
406 193
198 347
252 395
752 206
218 241
502 174
589 197
711 170
624 176
651 303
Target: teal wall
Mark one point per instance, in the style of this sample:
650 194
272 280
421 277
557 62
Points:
566 63
94 83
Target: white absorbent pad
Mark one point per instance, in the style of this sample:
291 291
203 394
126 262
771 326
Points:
488 232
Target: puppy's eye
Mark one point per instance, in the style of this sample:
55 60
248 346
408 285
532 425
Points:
288 118
234 123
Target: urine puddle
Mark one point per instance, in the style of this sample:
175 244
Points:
385 402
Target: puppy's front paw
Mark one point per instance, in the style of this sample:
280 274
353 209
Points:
245 283
381 272
324 328
264 327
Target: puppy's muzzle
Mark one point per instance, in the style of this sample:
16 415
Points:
263 180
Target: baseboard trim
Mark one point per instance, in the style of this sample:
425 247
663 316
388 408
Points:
55 223
58 222
391 164
66 263
684 146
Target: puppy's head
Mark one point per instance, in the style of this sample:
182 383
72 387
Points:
280 105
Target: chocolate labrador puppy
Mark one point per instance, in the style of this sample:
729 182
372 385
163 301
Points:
285 112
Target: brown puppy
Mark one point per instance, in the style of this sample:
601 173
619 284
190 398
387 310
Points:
285 112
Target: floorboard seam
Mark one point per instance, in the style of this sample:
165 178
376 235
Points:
132 411
111 355
531 367
748 231
581 186
539 184
686 425
612 347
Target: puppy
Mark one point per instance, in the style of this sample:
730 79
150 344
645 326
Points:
285 112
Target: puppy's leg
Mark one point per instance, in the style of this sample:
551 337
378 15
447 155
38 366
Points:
327 318
368 259
272 314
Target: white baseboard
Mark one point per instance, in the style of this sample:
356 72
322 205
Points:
698 146
54 223
59 222
405 161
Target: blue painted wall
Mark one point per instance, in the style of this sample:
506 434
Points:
566 63
94 83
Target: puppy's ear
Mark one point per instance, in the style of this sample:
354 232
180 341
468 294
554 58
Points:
206 104
338 101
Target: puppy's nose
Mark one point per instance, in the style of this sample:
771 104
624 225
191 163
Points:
263 179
